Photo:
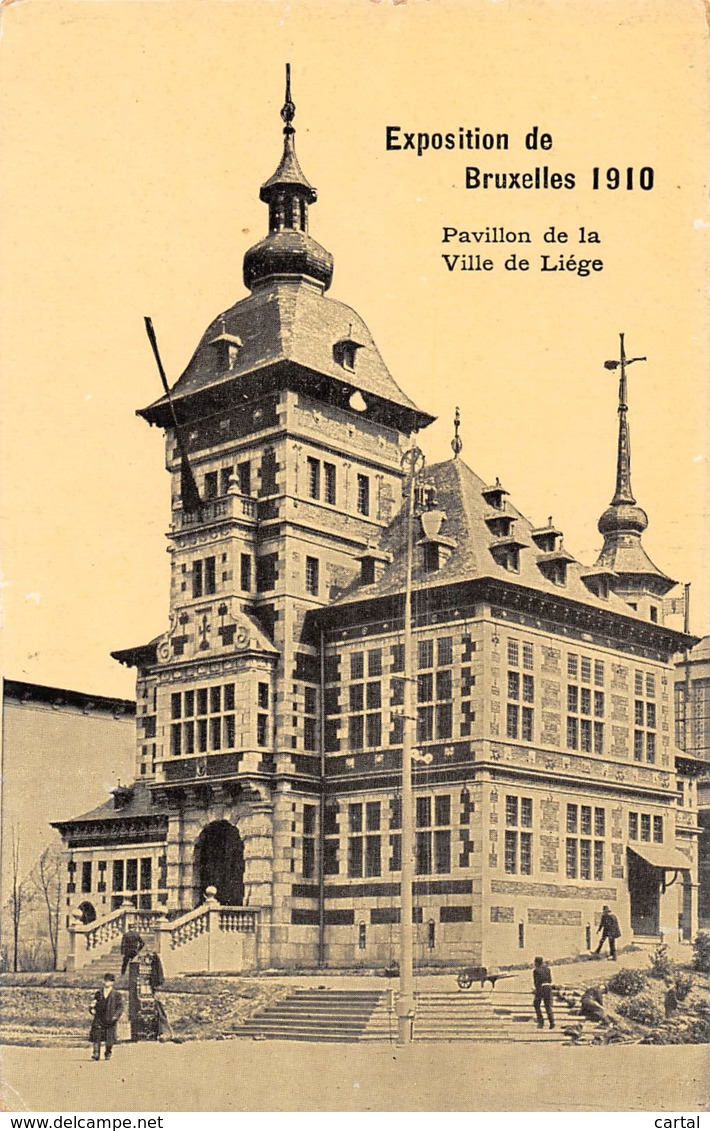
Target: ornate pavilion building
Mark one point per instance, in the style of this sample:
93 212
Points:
270 711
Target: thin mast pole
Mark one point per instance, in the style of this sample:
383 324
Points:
687 695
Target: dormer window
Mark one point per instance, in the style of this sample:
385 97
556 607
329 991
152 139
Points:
367 573
436 547
558 573
495 495
506 552
345 353
436 554
227 347
510 559
501 526
553 565
373 563
547 538
599 582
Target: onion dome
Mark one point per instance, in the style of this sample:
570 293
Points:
288 251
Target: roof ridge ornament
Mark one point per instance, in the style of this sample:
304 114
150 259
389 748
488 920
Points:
457 442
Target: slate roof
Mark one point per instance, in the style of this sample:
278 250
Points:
624 553
459 494
138 806
290 321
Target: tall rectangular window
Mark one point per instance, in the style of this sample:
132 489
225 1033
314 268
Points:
197 578
308 844
225 479
355 840
518 844
210 575
146 873
176 739
521 689
645 719
132 875
356 732
598 860
244 478
312 570
363 494
266 572
313 478
330 483
245 572
262 730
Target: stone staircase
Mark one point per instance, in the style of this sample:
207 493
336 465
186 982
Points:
317 1015
441 1015
111 963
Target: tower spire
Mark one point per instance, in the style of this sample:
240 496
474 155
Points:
288 252
288 110
623 522
623 492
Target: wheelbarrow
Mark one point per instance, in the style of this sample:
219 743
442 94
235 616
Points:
471 974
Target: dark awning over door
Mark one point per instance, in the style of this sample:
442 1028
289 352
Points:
664 856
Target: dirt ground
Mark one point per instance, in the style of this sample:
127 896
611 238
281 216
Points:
243 1075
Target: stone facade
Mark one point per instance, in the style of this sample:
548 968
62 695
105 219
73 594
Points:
270 714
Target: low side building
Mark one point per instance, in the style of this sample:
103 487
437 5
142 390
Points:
61 749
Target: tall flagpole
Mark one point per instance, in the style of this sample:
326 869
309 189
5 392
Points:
413 460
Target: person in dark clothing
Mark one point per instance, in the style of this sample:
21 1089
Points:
131 945
106 1007
156 976
542 980
592 1004
609 928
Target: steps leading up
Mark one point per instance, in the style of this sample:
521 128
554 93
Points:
365 1015
111 962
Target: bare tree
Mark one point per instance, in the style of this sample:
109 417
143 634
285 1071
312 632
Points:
47 879
17 894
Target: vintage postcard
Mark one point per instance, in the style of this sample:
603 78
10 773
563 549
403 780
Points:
355 698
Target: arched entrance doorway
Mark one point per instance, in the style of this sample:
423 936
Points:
219 862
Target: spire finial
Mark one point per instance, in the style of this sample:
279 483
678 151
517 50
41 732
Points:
623 492
457 442
288 110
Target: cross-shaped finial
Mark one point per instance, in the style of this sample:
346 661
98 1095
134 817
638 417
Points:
457 442
623 493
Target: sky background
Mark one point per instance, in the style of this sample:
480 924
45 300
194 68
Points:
135 138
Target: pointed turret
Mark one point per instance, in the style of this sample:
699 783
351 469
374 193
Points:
288 251
636 579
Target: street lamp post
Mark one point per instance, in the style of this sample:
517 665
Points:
413 461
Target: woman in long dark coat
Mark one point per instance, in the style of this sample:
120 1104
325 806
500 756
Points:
106 1007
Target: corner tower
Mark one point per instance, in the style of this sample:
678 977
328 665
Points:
623 559
294 431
